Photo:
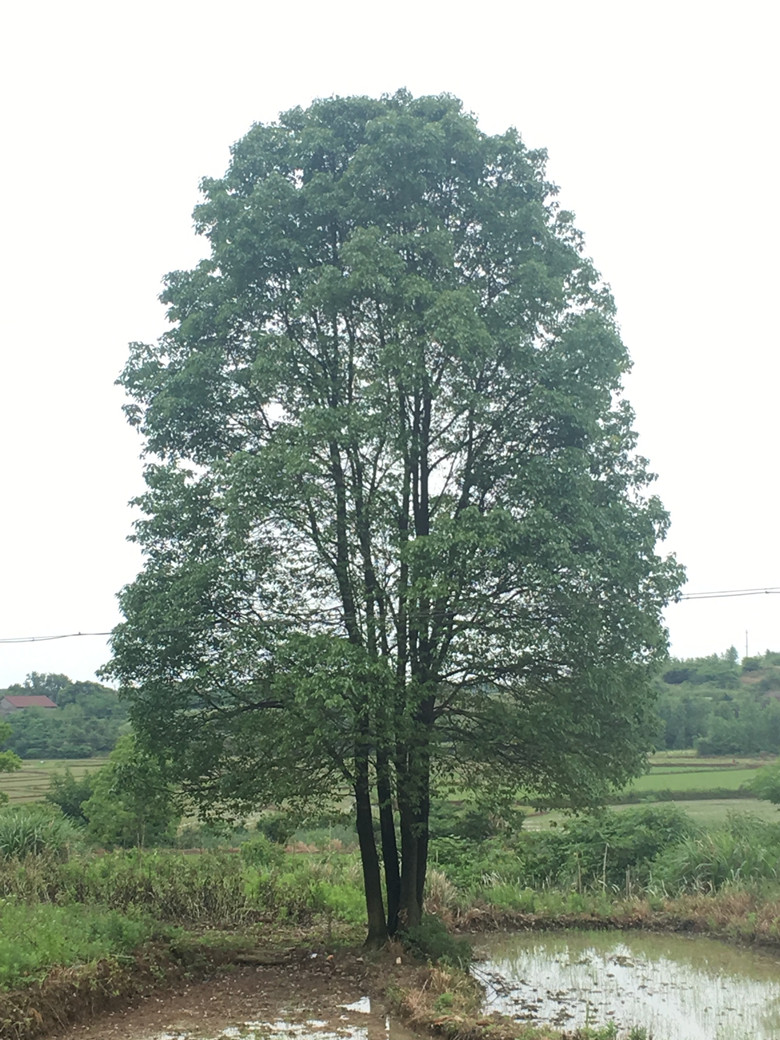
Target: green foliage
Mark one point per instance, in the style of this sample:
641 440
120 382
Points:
466 862
746 850
34 831
470 821
132 802
87 722
278 827
430 941
209 888
605 848
261 851
718 707
42 684
69 793
766 783
214 834
33 939
9 762
394 518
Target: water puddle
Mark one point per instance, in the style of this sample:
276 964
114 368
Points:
354 1021
675 987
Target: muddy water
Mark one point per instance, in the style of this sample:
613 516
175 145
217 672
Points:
676 987
356 1021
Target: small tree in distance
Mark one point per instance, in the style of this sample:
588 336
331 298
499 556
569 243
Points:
766 783
130 802
9 762
394 527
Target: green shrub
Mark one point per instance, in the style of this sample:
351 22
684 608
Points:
216 834
34 831
466 862
261 851
206 888
69 794
278 827
610 847
431 941
132 804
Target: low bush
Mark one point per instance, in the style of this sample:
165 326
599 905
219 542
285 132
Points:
430 941
211 835
278 827
34 831
466 862
206 888
69 793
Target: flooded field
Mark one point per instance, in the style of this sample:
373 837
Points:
676 987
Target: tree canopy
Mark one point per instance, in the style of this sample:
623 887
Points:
395 526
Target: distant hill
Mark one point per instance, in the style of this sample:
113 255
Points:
721 706
87 721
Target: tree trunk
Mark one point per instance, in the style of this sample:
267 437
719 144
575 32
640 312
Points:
410 910
372 883
389 841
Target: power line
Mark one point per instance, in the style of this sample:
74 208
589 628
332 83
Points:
726 593
48 639
717 594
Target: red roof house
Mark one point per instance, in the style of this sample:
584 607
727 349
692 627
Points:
14 703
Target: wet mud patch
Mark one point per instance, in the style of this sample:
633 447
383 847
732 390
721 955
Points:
330 997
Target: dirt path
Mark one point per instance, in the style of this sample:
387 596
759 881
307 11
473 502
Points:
307 986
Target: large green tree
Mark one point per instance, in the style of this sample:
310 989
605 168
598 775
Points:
395 526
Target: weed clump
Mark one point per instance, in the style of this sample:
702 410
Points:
35 832
430 941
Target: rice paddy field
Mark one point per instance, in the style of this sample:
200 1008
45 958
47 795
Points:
31 782
680 772
697 785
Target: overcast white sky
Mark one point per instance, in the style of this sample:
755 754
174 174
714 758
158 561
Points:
661 124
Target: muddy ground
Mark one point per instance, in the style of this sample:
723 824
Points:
306 985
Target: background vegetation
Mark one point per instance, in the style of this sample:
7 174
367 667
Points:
87 722
719 706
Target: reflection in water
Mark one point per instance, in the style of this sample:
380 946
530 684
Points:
677 988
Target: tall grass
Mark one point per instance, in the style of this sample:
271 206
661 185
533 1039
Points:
26 832
746 851
212 888
34 939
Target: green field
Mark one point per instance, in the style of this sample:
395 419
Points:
683 773
31 782
706 811
695 779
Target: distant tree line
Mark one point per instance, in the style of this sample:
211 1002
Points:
87 722
720 706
